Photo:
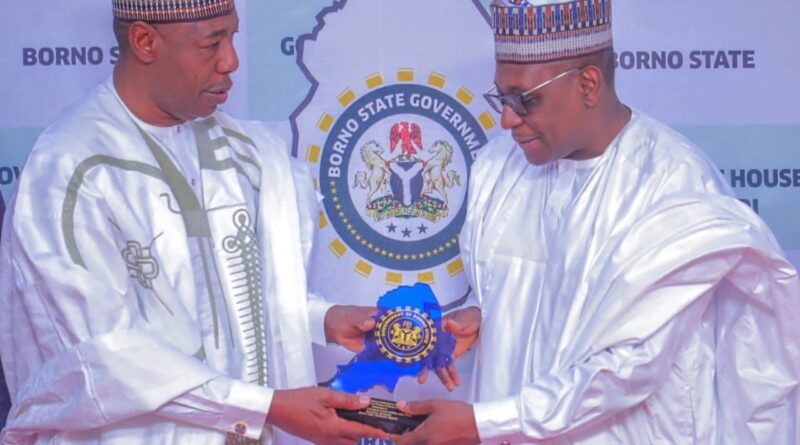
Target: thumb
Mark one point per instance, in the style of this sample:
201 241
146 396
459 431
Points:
367 324
452 326
415 408
338 399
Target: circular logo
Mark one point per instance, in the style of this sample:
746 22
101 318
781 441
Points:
394 172
405 335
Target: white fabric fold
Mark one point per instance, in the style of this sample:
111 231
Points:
657 310
128 319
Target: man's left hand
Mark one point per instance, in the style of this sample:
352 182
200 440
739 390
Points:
464 324
449 423
348 325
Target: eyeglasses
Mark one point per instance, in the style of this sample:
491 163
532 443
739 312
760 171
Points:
517 101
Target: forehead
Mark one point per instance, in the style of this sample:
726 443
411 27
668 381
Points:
217 26
515 77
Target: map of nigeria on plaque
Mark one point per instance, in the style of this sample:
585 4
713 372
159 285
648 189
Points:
408 337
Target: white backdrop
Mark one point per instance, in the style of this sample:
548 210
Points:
719 71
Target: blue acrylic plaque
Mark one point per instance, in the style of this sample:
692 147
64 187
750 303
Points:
407 337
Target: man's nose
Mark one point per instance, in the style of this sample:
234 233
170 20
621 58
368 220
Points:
509 119
229 60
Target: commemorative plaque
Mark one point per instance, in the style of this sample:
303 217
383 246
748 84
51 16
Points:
407 338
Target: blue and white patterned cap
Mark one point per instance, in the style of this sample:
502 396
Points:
170 11
539 31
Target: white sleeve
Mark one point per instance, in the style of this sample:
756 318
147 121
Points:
77 353
317 308
606 383
650 294
223 404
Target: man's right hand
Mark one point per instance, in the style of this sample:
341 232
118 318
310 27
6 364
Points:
348 325
310 413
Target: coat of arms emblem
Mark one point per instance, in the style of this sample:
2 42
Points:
409 181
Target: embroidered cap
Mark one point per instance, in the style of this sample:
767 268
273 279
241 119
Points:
170 11
537 31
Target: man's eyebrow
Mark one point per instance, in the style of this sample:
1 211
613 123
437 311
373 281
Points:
215 34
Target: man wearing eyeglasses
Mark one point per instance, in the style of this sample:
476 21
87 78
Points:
625 296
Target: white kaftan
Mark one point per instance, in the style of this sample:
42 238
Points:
152 286
627 299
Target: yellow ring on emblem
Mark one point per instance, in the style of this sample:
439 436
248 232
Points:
405 335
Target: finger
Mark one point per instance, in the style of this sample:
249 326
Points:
423 376
354 346
354 431
409 438
338 399
367 324
444 376
451 369
405 439
414 408
346 439
452 326
367 312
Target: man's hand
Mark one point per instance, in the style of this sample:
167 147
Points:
465 325
310 413
348 325
448 423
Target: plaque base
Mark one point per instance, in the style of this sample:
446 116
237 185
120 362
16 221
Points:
385 415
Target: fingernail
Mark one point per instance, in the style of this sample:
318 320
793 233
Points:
402 404
363 399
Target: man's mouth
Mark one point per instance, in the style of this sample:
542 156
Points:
218 95
524 141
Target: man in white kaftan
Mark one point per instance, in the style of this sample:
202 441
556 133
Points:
625 296
152 275
641 305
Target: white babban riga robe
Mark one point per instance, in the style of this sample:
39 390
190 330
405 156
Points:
138 306
628 300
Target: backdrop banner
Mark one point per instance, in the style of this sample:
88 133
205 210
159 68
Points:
382 99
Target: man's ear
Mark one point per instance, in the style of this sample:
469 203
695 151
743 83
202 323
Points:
143 39
591 83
